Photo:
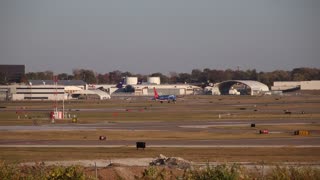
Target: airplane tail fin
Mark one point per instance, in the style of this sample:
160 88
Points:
120 84
155 93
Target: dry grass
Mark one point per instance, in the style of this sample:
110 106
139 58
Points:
291 127
238 132
132 135
192 154
191 108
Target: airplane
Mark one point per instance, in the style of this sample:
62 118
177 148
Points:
163 98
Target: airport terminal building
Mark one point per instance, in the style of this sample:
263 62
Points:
48 90
27 92
77 89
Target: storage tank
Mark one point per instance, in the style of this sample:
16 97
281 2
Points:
153 80
131 80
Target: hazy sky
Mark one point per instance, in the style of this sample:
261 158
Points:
144 36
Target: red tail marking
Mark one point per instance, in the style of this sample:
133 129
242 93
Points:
155 93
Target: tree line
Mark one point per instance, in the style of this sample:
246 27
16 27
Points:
196 76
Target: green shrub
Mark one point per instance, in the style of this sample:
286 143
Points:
71 172
223 172
296 173
37 171
40 171
9 171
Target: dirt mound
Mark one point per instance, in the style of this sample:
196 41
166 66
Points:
106 173
116 165
171 162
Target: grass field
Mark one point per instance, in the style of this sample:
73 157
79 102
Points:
192 154
246 132
190 108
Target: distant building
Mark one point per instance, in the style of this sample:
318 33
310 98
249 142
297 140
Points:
12 73
242 87
296 85
77 83
39 92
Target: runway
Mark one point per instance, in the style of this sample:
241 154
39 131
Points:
159 125
272 142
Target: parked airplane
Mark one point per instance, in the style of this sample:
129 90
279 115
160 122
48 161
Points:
163 98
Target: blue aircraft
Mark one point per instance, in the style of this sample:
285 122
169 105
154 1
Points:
163 98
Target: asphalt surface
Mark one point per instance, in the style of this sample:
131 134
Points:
274 142
159 126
